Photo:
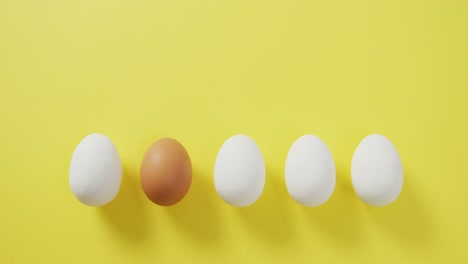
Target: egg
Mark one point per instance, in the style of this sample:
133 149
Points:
95 171
166 172
239 171
310 171
377 171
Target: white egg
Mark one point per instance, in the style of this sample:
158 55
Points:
95 171
376 171
310 171
239 171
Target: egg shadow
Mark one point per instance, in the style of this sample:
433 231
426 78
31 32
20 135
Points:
338 218
407 218
126 214
197 213
270 218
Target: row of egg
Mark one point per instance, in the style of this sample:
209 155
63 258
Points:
239 171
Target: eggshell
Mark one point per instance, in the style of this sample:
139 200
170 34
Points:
377 171
166 172
310 171
239 171
95 171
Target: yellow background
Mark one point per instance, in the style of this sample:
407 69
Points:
201 71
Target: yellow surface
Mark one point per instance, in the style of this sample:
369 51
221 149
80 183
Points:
201 71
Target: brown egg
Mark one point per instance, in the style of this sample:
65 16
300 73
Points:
166 172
